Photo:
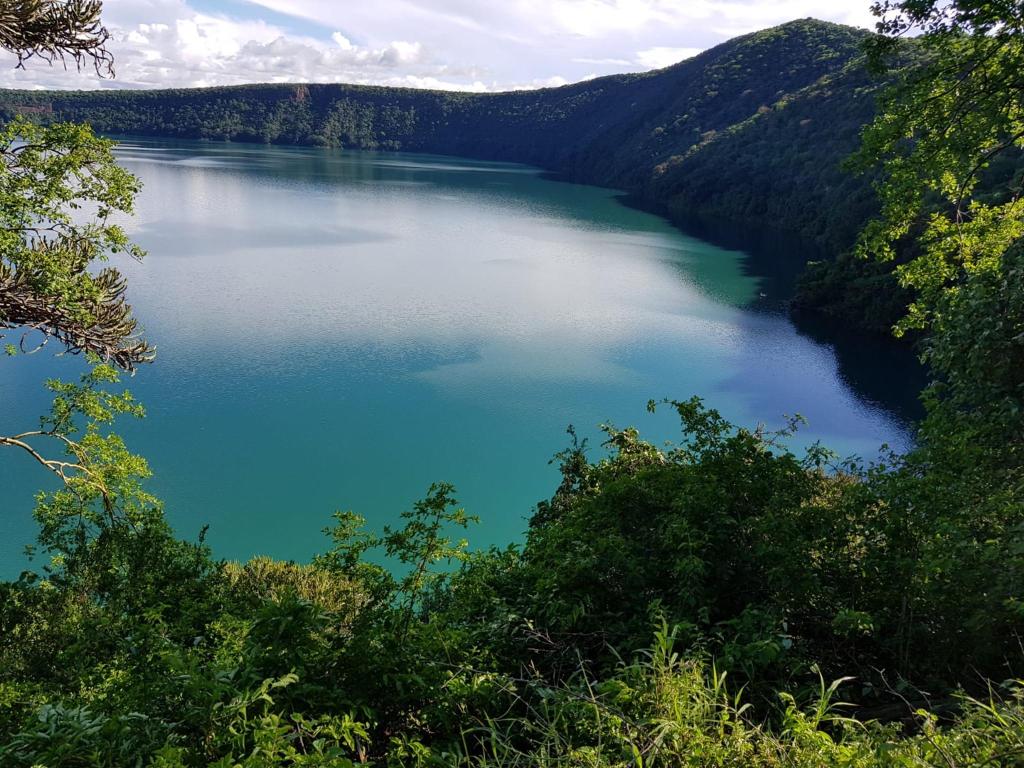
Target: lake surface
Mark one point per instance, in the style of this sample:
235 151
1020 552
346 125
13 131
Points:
339 330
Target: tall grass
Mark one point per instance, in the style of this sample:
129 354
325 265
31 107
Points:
663 710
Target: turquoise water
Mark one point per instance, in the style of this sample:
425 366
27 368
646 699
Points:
338 330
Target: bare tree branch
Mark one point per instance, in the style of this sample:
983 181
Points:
57 30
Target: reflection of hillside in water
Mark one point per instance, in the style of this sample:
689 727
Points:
342 329
633 280
884 373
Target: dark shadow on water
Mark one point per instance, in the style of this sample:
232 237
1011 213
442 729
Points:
883 372
775 257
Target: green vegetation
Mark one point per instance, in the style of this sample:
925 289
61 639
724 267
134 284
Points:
724 554
47 247
56 30
689 604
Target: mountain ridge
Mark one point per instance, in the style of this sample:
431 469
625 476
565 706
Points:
751 130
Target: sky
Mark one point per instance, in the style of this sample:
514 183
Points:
474 45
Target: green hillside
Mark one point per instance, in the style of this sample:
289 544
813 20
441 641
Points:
754 128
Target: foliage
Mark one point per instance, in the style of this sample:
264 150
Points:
60 190
749 562
940 127
949 138
49 178
853 291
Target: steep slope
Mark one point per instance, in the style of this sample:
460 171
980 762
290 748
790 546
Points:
782 165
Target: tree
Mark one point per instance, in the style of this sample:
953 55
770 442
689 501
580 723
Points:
949 138
49 178
59 189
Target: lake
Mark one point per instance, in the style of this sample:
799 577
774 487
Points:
337 330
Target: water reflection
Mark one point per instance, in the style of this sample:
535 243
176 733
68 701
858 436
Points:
341 329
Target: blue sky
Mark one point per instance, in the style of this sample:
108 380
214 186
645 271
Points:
246 10
459 44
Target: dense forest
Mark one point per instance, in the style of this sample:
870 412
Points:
720 601
753 130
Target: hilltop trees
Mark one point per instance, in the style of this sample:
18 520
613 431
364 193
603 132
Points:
753 129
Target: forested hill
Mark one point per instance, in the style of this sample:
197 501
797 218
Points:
754 128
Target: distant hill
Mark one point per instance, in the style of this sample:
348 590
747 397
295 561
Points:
751 130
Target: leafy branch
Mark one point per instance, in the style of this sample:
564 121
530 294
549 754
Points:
60 189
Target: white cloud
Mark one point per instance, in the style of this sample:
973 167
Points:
200 49
603 62
462 44
525 19
660 56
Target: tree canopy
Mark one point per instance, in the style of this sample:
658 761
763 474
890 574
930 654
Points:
943 138
60 187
